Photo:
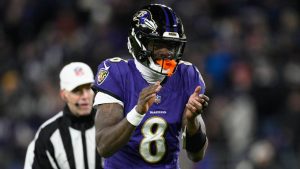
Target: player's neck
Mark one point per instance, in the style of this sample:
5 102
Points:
150 76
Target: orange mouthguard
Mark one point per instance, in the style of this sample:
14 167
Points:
167 64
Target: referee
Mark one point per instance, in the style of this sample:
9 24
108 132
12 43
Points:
67 140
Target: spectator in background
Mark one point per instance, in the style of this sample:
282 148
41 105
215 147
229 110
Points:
67 140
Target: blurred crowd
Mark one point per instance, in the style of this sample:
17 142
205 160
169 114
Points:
248 52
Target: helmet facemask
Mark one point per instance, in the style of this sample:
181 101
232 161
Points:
160 55
164 55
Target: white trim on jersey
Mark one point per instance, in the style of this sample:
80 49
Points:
60 114
77 147
51 160
102 98
60 152
29 156
91 146
30 150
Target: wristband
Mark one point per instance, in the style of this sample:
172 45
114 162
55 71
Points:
195 142
134 117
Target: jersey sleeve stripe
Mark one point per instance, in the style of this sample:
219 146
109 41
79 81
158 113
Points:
110 93
102 98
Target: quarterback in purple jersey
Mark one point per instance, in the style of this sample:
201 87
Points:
144 103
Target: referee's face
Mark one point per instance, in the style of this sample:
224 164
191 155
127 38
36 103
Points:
80 100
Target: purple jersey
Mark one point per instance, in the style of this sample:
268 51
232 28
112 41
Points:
155 142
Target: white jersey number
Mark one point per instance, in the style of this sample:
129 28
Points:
153 131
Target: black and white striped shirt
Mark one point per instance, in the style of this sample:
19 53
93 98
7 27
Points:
64 142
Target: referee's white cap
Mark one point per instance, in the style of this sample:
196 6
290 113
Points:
75 74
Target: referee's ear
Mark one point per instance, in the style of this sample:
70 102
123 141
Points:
63 95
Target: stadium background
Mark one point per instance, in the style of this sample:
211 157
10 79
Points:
247 50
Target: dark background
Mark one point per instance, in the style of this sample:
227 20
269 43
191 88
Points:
248 52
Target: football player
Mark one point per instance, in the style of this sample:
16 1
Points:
143 104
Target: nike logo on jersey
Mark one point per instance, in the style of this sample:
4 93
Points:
105 66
